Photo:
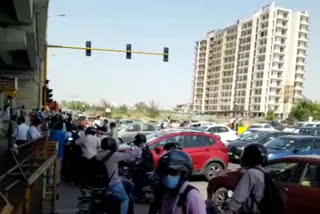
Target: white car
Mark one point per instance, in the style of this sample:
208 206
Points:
224 132
201 124
298 125
262 127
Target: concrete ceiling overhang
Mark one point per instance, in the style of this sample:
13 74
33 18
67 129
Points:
23 26
16 12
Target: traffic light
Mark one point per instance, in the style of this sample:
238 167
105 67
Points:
49 94
88 45
166 54
128 53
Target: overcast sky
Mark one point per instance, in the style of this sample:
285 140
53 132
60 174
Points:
149 25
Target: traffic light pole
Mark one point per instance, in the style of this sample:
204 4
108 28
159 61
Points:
107 50
165 55
45 79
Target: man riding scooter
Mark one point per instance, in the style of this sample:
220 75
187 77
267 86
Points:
143 164
116 185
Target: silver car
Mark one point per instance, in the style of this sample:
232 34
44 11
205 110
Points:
128 134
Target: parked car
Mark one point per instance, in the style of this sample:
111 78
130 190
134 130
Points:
224 132
262 137
293 145
295 128
262 127
309 131
299 176
209 154
201 123
128 134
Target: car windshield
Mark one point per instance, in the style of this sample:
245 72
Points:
281 144
252 136
299 125
155 135
309 125
201 128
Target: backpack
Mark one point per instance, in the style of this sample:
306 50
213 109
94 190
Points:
183 198
274 198
99 172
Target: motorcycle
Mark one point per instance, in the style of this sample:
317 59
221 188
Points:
127 171
100 200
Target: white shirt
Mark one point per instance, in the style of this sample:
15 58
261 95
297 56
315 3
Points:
21 132
97 122
90 146
34 133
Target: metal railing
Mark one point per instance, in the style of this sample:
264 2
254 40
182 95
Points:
26 184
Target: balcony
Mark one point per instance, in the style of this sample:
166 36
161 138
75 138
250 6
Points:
299 79
299 71
282 26
278 86
304 30
279 43
301 63
282 17
303 38
278 60
301 55
276 77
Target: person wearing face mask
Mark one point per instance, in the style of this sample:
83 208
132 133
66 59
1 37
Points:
34 132
174 169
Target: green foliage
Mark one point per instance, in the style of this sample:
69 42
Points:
270 115
153 110
141 107
77 106
304 109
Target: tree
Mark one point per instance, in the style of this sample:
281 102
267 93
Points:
141 107
270 115
305 109
78 106
105 103
123 109
153 110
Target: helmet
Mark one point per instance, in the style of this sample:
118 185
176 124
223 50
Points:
109 143
254 154
91 130
176 160
139 139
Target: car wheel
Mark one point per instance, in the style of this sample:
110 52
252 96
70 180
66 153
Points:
212 170
220 199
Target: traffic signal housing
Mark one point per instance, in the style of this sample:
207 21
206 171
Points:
166 54
47 95
88 45
128 53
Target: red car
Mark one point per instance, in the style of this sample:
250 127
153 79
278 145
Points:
209 154
299 175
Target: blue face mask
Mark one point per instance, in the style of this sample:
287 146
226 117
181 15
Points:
171 182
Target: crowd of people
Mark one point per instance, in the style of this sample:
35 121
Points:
82 148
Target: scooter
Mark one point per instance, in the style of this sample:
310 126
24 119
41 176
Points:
95 200
127 169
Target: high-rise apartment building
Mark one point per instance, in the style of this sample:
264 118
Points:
253 66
